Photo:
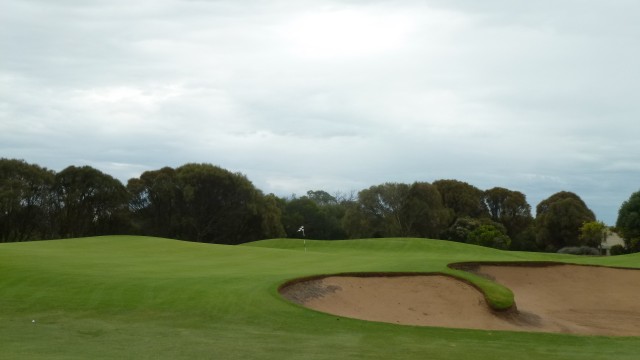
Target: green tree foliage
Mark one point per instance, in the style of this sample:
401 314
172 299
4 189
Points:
510 208
379 207
526 240
204 203
156 202
394 209
463 199
320 215
618 250
89 202
490 236
483 231
559 219
270 215
628 222
332 211
322 198
355 222
423 213
593 234
218 206
460 229
25 201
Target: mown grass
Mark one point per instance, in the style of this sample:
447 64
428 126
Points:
149 298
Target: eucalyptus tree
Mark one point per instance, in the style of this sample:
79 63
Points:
558 220
628 222
203 203
510 208
89 202
25 201
379 211
270 217
423 212
156 203
396 209
218 206
321 219
463 199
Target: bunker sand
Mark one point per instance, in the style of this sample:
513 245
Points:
573 299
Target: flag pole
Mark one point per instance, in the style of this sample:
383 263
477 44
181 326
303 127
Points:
304 238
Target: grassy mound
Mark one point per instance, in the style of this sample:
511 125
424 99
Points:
142 297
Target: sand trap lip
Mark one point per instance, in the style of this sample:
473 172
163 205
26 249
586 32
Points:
550 297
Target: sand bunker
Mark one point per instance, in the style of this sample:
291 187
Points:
550 298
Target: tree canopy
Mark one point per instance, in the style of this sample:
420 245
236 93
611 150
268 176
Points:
559 219
25 201
508 207
206 203
628 222
463 199
89 202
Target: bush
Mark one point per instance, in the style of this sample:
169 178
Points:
617 250
489 235
579 250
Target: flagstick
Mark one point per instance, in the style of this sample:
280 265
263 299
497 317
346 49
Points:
304 237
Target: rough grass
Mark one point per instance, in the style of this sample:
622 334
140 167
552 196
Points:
149 298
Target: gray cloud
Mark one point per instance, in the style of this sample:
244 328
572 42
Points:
335 95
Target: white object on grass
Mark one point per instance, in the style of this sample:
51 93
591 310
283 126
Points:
304 237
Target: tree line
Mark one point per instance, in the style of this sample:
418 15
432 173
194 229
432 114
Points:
206 203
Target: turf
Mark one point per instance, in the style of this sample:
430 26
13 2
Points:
149 298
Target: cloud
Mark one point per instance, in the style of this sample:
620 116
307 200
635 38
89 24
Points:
335 95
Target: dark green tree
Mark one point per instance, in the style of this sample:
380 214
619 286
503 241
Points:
460 229
354 222
156 203
510 208
321 219
423 213
526 240
628 222
321 197
559 219
379 211
394 209
463 199
218 206
203 203
270 216
483 231
89 202
25 201
490 236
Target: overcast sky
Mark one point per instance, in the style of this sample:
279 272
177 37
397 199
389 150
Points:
534 96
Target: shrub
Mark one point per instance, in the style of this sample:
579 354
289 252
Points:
489 235
617 250
579 250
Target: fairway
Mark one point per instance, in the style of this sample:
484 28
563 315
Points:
151 298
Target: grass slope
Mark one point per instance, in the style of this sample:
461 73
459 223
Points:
149 298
